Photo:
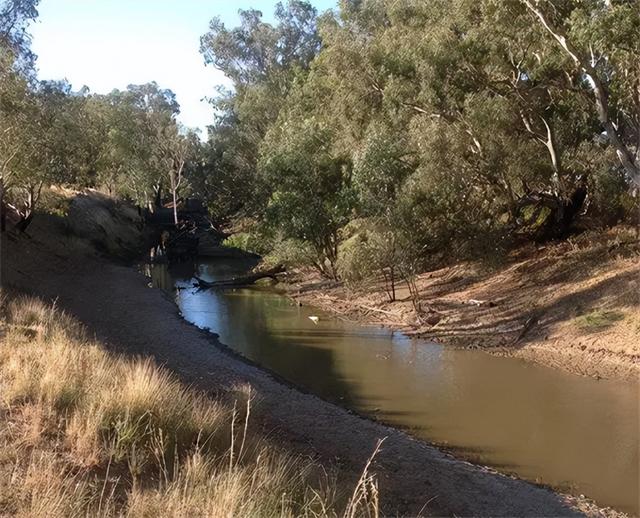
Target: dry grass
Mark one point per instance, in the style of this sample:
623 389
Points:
83 432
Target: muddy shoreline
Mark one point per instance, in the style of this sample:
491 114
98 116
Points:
601 364
499 313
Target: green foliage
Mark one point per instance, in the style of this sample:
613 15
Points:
127 141
381 165
355 264
598 320
290 253
366 251
255 51
451 127
263 61
15 16
312 196
611 200
252 241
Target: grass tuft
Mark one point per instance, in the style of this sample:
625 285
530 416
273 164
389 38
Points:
598 320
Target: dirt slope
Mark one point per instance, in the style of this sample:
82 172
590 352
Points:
572 305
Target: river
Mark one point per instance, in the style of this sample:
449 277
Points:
577 434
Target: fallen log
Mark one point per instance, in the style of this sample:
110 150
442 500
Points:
237 282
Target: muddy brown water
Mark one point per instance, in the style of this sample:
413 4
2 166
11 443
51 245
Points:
577 434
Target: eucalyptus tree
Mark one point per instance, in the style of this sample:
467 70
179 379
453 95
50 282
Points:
263 61
16 68
15 40
311 196
16 115
137 124
466 123
48 147
601 41
490 106
176 148
128 141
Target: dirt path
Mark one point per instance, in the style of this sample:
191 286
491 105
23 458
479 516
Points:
116 303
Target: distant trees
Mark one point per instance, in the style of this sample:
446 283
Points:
177 148
144 147
126 141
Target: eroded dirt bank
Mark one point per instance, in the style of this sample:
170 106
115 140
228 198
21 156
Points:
116 303
572 305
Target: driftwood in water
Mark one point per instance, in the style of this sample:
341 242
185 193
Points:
243 280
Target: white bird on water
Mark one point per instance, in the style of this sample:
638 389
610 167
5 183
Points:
314 319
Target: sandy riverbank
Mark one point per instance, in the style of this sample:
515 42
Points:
572 305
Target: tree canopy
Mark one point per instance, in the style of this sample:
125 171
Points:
128 142
446 125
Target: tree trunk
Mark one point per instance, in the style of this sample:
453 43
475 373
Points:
176 179
158 196
24 223
173 197
390 282
560 221
625 155
33 195
3 209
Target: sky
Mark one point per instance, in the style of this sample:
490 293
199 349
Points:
107 44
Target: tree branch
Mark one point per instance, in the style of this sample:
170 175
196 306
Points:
625 156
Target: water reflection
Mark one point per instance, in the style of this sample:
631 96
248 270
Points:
546 425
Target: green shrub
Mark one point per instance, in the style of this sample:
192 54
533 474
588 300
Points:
291 253
252 241
598 320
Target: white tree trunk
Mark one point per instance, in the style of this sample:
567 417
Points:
625 155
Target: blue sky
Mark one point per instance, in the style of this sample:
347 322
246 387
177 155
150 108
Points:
107 44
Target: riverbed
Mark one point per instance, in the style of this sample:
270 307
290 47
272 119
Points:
577 434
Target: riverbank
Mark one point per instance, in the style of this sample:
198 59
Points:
572 305
116 305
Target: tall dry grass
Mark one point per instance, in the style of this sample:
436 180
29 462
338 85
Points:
86 433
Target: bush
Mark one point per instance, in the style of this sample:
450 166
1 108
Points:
370 251
251 241
291 253
358 255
